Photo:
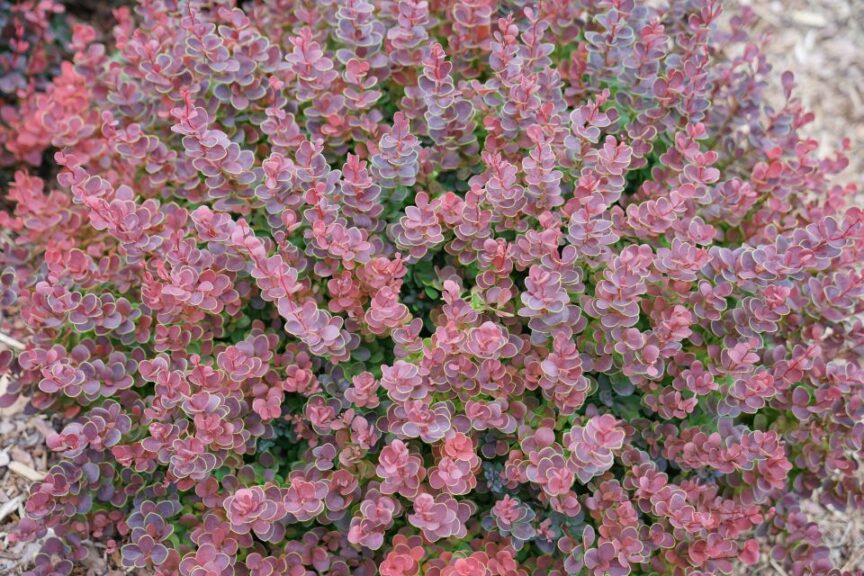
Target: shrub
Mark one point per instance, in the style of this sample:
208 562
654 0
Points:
315 294
33 38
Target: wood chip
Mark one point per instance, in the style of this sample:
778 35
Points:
777 567
11 342
857 556
10 507
43 427
26 472
22 456
807 18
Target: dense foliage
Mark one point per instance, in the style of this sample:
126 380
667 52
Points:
452 288
33 43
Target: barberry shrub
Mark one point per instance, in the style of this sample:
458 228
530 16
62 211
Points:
33 43
452 288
